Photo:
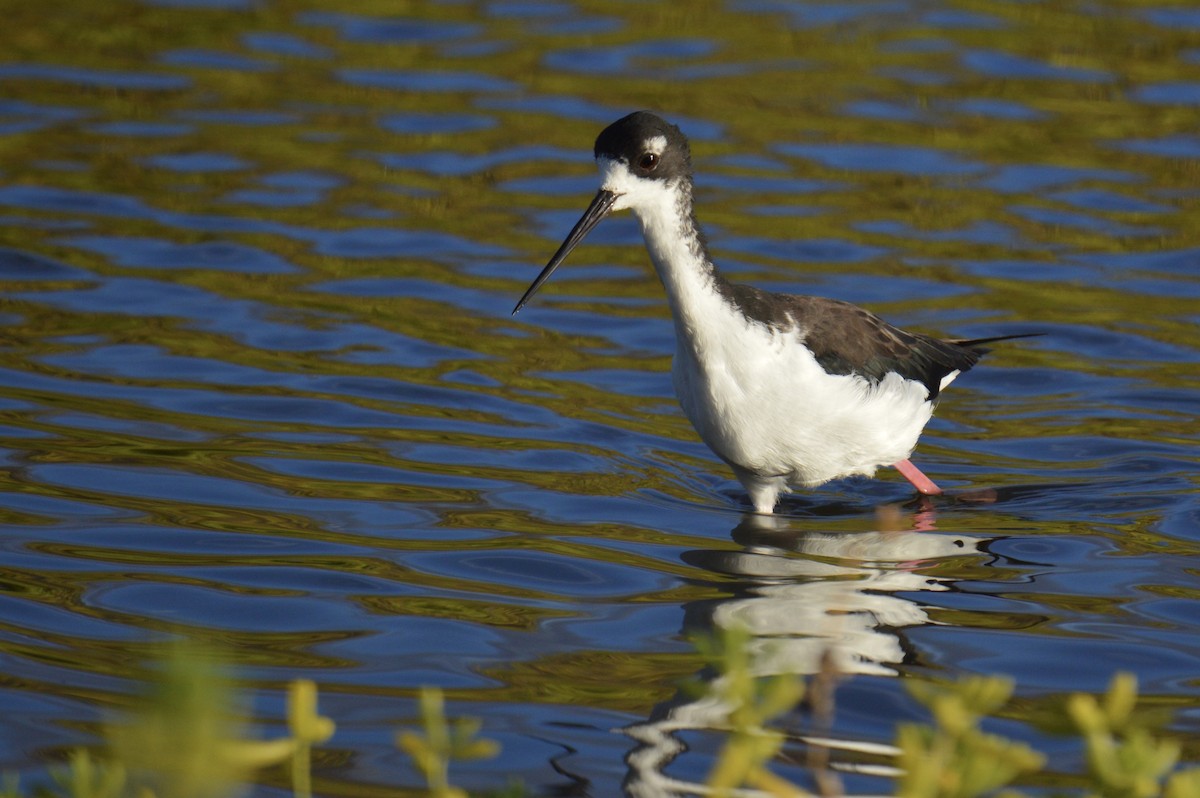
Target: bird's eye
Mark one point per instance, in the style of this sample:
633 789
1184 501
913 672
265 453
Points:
648 161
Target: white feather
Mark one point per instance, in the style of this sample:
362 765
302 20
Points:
755 394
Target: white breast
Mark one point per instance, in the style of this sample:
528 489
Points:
761 401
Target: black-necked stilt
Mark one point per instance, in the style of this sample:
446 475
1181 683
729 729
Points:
788 390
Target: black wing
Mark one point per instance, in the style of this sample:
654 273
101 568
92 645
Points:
845 339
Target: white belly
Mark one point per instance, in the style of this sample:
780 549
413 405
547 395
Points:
761 401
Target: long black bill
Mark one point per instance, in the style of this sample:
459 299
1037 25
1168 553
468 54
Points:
601 206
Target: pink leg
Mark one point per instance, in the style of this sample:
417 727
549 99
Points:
922 483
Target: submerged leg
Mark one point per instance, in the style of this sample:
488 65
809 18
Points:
922 483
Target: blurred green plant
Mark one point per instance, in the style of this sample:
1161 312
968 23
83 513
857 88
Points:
751 703
182 740
308 728
84 777
953 757
950 757
442 741
1125 759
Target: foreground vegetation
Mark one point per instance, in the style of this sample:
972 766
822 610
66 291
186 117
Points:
184 741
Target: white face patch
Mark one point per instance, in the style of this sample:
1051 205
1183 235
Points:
633 191
656 145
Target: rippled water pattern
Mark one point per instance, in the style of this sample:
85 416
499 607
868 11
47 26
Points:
259 382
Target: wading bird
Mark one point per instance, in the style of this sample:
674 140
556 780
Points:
788 390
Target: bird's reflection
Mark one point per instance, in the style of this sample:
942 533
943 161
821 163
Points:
809 599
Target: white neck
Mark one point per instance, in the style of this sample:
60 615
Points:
681 260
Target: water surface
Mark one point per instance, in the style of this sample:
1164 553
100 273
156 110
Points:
259 382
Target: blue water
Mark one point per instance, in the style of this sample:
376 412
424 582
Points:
259 383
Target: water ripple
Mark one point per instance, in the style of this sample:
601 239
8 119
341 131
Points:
260 381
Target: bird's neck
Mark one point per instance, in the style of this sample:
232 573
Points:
680 255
